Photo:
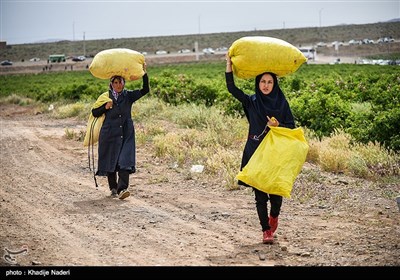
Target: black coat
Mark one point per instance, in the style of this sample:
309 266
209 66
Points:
117 150
256 108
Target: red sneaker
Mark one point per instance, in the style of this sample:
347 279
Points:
268 237
273 223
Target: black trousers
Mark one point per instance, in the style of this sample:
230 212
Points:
123 180
262 199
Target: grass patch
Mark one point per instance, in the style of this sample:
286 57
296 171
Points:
339 153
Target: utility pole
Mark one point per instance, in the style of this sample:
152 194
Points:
196 44
320 17
199 25
196 50
84 46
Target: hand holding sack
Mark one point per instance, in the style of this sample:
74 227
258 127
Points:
94 124
122 62
254 55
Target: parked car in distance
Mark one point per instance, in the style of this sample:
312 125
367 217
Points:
355 42
34 59
184 51
208 51
337 43
336 61
6 62
79 58
385 40
222 49
367 41
161 52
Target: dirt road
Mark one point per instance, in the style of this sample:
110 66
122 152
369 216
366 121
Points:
50 207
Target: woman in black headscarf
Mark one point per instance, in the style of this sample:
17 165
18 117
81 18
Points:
117 135
267 107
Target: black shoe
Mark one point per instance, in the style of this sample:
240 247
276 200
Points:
124 194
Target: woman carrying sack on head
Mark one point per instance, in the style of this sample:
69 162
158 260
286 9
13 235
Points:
267 107
117 151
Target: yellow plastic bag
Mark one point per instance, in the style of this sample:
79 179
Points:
118 62
254 55
277 162
94 124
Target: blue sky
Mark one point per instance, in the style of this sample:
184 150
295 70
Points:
29 21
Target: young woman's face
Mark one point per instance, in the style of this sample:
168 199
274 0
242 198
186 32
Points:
117 85
266 84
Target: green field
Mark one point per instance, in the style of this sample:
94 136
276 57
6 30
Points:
362 100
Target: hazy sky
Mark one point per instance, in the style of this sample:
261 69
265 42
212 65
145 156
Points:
28 21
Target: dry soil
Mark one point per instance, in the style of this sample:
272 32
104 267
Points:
53 215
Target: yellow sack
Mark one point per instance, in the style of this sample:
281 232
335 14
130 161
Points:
254 55
94 124
118 62
278 160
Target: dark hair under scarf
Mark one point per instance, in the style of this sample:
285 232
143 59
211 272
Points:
116 77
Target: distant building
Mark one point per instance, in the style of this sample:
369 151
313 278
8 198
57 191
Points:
3 45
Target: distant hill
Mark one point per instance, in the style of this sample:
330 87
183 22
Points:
296 36
48 41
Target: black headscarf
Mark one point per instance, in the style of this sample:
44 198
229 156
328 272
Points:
273 104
